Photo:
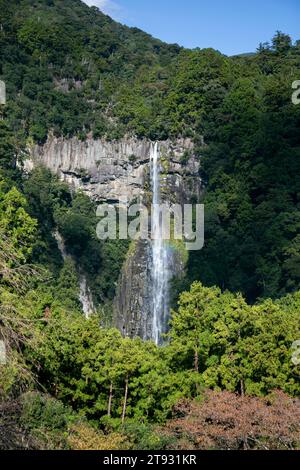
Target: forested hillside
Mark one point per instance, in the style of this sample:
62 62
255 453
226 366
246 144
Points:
71 383
72 69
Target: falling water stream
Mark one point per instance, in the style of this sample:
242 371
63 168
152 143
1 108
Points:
85 296
160 261
160 269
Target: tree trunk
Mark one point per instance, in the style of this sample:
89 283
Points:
125 400
245 443
110 400
242 388
196 360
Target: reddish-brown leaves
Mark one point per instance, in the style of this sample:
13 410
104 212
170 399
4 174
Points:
225 420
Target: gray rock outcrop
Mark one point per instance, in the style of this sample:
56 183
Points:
108 171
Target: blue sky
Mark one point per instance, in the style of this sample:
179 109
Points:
231 26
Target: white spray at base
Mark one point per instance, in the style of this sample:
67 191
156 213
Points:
160 269
85 295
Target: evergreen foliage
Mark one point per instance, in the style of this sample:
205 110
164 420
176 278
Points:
68 382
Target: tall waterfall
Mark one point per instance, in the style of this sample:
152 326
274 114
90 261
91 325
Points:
160 269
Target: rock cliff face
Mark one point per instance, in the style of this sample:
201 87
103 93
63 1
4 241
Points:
109 171
132 305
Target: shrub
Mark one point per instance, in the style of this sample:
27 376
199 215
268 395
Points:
85 437
228 421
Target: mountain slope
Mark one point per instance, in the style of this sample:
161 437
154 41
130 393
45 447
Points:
66 66
70 70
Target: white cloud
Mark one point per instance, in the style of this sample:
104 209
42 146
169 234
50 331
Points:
109 7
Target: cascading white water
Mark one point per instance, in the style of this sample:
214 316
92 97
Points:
160 270
85 296
61 244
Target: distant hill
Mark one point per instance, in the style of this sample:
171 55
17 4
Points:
245 54
73 70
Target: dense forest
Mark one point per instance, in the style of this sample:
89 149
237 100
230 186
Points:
74 383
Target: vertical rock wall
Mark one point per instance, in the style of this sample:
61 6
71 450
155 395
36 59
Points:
109 171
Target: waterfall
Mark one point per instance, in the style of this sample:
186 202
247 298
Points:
160 269
61 244
85 296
